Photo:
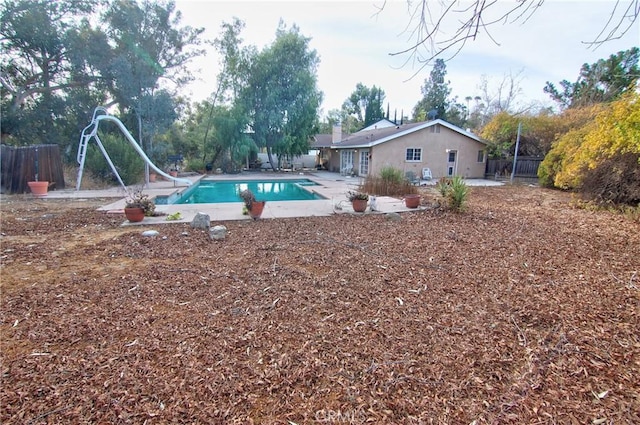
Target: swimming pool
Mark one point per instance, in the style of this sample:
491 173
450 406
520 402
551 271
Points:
214 192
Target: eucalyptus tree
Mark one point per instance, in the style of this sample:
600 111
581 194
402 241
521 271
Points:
60 59
281 96
148 51
157 113
234 60
230 137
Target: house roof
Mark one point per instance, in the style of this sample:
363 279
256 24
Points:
321 141
324 140
369 138
383 123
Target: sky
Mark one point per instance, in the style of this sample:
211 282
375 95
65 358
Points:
355 39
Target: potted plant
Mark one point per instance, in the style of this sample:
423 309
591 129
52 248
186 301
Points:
138 205
358 200
253 208
412 200
37 187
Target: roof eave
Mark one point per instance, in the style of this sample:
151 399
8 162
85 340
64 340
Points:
414 129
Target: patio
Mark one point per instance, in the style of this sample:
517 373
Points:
332 186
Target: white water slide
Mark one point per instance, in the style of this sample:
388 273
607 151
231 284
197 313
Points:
100 114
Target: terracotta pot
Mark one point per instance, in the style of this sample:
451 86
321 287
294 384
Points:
412 201
152 177
39 188
134 215
256 209
359 205
173 173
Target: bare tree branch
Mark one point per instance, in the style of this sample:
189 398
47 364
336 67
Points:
615 33
428 21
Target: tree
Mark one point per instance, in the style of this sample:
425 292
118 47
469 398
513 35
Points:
603 81
150 49
457 113
36 69
61 61
429 24
230 136
232 76
341 116
502 97
365 104
537 134
435 95
158 112
281 97
233 61
191 130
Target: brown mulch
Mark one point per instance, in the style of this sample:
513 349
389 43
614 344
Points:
521 310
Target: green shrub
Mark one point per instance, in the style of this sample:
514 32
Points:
196 165
391 175
454 191
128 163
457 195
443 186
548 169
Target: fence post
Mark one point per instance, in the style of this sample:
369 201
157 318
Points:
515 154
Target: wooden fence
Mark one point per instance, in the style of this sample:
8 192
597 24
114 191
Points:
19 165
526 167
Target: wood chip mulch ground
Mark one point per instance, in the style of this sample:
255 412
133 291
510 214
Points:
521 310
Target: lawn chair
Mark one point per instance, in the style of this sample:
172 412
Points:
412 178
426 174
347 170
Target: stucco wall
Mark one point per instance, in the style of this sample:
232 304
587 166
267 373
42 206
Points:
434 153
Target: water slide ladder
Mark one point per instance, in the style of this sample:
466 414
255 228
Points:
91 131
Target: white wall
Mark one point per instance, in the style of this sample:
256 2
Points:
304 161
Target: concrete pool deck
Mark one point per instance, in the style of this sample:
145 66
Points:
332 186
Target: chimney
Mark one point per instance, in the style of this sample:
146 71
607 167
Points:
336 135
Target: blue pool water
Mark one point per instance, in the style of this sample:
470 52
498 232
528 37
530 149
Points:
213 192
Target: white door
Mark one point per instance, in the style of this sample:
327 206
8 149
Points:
346 162
452 163
364 163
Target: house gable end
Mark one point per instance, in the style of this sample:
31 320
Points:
364 139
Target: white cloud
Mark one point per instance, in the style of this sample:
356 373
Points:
354 43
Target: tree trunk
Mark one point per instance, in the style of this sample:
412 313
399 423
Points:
270 156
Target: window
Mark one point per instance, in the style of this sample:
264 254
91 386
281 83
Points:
480 156
452 156
414 154
435 128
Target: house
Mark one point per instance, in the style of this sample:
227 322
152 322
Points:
444 148
383 123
